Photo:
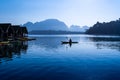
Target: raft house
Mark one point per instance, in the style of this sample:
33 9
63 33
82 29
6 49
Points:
10 32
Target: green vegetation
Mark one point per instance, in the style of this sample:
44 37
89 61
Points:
110 28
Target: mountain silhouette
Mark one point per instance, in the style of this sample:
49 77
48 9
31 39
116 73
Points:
109 28
77 28
49 24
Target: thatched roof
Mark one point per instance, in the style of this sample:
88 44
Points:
16 28
24 30
12 29
5 27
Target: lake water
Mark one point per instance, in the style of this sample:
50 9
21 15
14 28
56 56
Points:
93 58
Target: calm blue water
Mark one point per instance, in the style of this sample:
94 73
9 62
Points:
93 58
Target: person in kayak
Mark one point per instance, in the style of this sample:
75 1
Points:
70 41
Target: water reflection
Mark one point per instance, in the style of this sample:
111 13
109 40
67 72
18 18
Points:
93 58
7 52
111 39
69 44
106 42
54 42
51 42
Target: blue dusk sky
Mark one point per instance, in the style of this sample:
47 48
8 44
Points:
78 12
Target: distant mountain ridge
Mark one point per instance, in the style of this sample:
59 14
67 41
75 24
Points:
76 28
53 25
49 24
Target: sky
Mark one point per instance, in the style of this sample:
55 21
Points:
72 12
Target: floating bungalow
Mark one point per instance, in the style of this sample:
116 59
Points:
12 32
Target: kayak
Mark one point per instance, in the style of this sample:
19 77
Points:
65 42
4 43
